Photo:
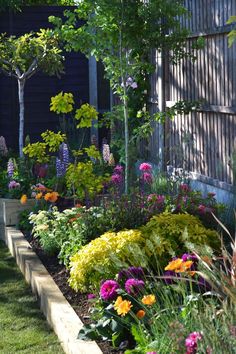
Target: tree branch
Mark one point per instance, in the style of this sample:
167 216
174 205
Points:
8 73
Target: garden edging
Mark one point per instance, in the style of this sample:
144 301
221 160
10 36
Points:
58 312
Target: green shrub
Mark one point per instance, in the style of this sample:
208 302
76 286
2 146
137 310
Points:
167 234
162 237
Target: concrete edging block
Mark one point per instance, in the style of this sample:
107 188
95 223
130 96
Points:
59 313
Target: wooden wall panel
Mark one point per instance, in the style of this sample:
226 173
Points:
204 141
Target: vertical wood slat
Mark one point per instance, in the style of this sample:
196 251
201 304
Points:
211 78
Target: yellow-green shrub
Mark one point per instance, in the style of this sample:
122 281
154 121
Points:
95 260
168 233
162 237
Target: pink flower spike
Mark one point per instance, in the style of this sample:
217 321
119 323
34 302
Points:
145 166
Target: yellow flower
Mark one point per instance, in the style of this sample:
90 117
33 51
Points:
23 199
38 196
149 299
140 314
175 264
122 306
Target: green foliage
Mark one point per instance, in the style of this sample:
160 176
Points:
154 243
122 34
232 34
53 140
62 103
167 233
31 52
85 115
39 151
81 180
17 5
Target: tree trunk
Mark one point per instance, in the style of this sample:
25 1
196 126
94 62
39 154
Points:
21 85
126 123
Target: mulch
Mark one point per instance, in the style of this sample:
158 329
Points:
78 301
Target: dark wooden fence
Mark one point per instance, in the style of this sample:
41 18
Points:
40 88
204 141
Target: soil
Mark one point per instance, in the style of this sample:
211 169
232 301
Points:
78 301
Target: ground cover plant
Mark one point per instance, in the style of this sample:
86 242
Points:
23 327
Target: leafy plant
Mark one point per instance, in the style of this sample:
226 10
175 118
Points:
164 235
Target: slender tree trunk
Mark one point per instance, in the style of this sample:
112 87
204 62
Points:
21 85
126 124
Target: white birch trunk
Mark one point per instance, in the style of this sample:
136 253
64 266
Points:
21 84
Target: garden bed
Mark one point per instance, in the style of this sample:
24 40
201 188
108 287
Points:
78 301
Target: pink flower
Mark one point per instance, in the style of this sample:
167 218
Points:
147 177
118 169
155 198
184 188
201 208
116 179
91 296
108 290
145 166
133 286
151 353
191 342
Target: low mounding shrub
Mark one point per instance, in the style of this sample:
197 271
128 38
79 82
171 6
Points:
160 238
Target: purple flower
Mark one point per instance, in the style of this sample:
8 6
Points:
134 286
169 276
147 177
91 296
136 272
108 290
151 353
145 166
116 179
10 168
130 82
118 169
13 185
189 257
191 342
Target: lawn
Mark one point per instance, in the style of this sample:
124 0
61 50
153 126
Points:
23 329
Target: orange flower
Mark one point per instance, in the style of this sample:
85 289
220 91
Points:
51 197
140 314
122 306
175 264
149 299
38 196
23 199
184 267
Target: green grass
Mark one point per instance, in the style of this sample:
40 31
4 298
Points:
23 329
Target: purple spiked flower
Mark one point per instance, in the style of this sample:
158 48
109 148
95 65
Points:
10 168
